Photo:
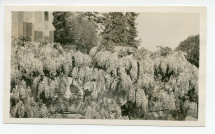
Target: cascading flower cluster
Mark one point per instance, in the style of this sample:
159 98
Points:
164 80
139 80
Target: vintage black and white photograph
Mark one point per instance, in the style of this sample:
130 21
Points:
105 65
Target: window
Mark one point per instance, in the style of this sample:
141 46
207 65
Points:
46 16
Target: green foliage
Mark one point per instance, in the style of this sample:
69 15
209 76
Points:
137 85
166 79
191 47
164 51
106 109
75 29
23 104
119 29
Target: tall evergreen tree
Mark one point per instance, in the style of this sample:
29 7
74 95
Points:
119 29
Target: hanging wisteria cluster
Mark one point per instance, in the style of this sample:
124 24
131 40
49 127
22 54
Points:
105 84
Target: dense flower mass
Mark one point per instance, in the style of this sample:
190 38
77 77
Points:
47 82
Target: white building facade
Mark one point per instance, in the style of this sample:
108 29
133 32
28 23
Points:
37 25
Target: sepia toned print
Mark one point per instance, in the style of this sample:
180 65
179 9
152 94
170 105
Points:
124 67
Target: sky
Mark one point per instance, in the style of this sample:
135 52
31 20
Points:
166 29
